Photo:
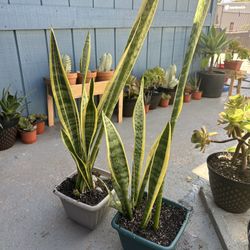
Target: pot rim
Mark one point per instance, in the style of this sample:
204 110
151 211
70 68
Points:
151 243
79 203
214 72
211 169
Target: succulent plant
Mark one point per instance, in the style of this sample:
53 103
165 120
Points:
154 78
66 60
34 118
132 88
10 109
105 63
195 82
235 48
165 96
147 97
25 124
170 77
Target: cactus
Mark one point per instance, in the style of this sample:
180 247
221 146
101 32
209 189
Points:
66 60
170 77
105 62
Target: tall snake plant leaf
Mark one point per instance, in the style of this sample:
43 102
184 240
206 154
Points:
158 171
90 117
126 64
65 103
139 126
118 164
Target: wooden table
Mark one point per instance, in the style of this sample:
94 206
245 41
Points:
233 75
77 93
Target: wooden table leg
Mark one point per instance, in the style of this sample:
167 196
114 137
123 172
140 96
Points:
231 86
239 85
120 108
50 104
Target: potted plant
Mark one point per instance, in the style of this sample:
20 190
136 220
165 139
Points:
210 45
104 72
195 86
154 78
39 121
234 55
187 97
131 92
72 76
229 172
10 112
82 129
165 98
170 83
142 220
147 99
27 130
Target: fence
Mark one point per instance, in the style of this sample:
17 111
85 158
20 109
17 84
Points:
24 37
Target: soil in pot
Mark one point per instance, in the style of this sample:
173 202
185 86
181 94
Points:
40 127
104 76
8 137
128 107
233 65
171 221
72 77
196 95
28 137
92 197
230 187
212 83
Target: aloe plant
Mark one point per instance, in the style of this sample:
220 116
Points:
82 130
158 158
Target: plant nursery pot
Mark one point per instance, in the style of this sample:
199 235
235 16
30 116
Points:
196 95
155 100
230 195
170 92
8 137
72 77
164 103
40 127
104 76
90 75
83 214
146 108
28 137
128 107
131 241
212 83
187 98
234 65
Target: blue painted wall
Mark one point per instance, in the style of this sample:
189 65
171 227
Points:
24 37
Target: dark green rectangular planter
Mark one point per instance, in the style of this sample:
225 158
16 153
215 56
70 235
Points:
131 241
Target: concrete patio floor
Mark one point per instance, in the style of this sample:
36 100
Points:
31 217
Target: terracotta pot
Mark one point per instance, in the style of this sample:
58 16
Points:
187 98
146 108
104 76
234 65
28 137
40 127
90 75
72 77
164 103
196 95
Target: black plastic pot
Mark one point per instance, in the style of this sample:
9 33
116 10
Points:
230 195
7 137
155 100
128 107
212 83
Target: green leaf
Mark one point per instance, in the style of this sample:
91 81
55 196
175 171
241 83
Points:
139 126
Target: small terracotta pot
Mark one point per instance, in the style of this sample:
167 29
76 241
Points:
72 77
104 76
28 137
164 103
40 127
187 98
234 65
146 108
196 95
90 75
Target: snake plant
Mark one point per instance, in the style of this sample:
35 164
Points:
82 130
157 161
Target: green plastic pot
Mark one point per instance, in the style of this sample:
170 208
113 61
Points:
131 241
